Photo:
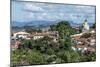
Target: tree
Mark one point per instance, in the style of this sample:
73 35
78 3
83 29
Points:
35 57
51 58
26 44
46 51
80 29
50 51
52 27
31 30
59 60
18 56
75 57
86 35
94 25
64 29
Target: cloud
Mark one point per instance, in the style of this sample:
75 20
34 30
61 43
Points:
32 7
46 11
31 11
85 9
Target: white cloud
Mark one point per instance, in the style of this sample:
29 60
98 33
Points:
44 11
61 14
83 7
86 9
40 18
31 6
44 14
73 16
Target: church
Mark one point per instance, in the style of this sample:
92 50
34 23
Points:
85 27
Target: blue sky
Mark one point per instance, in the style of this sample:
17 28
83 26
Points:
30 11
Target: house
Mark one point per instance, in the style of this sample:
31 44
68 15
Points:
21 34
77 36
84 44
51 34
15 44
37 36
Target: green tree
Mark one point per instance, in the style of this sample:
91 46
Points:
94 25
51 58
35 57
31 30
50 51
26 44
64 29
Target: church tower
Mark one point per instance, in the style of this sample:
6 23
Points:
85 26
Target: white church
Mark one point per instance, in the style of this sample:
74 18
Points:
85 27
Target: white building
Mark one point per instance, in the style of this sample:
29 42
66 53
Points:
50 34
85 26
37 37
23 35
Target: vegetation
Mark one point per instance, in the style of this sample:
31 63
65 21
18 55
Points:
64 29
94 25
86 35
46 51
30 30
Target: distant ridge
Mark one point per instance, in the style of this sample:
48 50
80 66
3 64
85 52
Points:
41 24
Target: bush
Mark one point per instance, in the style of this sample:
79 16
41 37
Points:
86 35
50 51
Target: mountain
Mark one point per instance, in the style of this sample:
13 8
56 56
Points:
33 23
42 24
79 24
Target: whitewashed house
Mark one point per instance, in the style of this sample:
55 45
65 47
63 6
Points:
37 37
21 34
50 34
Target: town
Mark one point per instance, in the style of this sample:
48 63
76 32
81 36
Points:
35 36
81 43
56 40
52 33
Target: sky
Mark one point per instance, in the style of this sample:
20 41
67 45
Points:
34 11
